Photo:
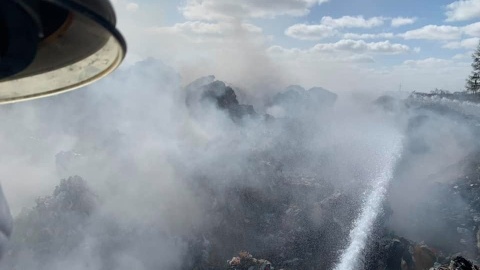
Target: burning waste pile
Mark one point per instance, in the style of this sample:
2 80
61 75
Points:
186 178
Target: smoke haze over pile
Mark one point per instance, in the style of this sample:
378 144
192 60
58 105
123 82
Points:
161 168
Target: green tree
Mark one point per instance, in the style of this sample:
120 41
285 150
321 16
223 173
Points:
473 81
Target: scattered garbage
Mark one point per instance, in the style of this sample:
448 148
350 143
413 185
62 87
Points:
457 263
245 261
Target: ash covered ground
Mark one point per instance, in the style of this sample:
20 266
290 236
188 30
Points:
159 176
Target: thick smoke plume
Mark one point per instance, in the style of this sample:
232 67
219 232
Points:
160 175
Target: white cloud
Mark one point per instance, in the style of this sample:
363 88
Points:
400 21
348 47
235 9
328 27
469 43
352 22
472 29
463 10
461 56
443 32
360 46
434 32
310 32
428 63
359 58
198 31
204 28
368 36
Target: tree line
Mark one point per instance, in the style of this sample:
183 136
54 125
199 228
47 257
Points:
473 81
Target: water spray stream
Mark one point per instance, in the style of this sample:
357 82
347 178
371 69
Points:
363 225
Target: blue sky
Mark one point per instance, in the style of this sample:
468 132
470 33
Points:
375 44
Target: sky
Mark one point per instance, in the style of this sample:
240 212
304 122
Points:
342 45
